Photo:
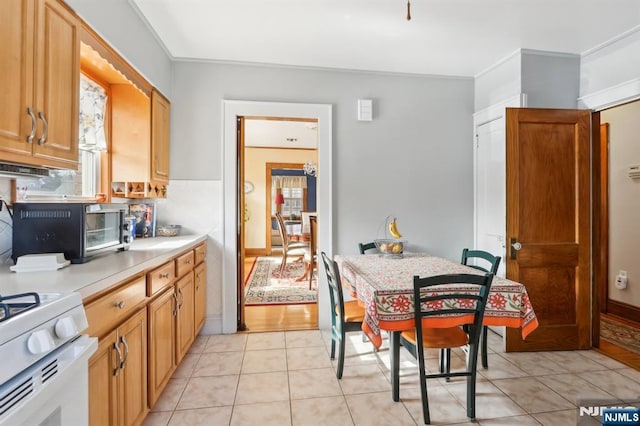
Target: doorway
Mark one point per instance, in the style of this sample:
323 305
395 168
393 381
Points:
278 160
231 303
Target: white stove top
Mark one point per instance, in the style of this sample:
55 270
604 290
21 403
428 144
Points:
31 334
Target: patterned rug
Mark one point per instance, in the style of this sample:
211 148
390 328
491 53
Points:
620 334
265 287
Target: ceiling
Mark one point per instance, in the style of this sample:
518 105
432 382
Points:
444 37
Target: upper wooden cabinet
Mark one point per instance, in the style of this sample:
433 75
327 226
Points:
39 83
159 137
139 116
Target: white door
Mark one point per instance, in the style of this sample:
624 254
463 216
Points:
491 216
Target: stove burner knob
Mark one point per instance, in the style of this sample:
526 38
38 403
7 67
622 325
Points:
66 327
40 342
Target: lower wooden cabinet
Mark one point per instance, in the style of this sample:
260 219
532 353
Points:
118 375
200 296
162 312
185 331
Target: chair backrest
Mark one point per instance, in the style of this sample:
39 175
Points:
335 290
493 261
468 298
306 223
282 230
313 233
363 247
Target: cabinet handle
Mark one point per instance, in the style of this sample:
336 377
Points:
175 304
45 130
119 363
33 125
126 352
120 304
164 275
181 298
188 262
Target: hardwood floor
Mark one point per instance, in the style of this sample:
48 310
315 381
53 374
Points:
278 317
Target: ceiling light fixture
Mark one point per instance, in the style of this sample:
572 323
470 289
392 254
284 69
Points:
310 168
408 10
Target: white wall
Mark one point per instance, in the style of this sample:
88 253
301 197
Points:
500 82
624 200
118 23
611 65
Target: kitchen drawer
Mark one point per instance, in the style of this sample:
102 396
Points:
200 253
107 312
184 263
160 278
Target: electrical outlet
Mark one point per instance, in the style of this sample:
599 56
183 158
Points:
621 280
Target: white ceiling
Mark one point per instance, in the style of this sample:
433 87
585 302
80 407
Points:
444 37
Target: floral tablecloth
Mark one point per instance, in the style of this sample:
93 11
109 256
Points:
385 287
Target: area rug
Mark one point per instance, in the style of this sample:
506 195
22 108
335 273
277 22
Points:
620 334
265 286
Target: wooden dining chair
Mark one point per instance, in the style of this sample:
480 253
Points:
468 298
487 263
310 253
345 316
295 247
365 247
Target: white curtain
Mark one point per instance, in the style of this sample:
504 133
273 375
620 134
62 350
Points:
288 182
93 101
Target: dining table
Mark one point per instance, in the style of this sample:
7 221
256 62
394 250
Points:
384 286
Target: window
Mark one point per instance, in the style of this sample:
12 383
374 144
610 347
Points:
293 190
293 202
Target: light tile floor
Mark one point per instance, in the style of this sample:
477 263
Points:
287 378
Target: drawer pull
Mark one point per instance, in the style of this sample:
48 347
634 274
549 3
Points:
164 275
188 262
120 304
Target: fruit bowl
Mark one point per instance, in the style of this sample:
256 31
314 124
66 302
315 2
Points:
390 247
168 230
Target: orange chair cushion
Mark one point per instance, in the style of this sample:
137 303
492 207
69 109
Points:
353 312
452 337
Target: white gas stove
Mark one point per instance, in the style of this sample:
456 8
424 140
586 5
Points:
43 373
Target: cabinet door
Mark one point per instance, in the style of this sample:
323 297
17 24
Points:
103 367
57 82
132 385
162 313
16 76
185 323
159 137
200 296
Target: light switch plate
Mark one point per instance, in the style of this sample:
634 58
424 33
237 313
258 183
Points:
365 109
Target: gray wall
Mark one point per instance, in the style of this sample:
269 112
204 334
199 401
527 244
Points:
414 160
118 23
548 79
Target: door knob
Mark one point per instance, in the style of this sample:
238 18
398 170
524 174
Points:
515 246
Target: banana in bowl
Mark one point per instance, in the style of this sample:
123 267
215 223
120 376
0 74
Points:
390 247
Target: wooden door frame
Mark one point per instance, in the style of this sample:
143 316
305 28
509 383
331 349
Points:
600 214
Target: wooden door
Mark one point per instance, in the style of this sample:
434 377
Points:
160 109
200 296
16 77
132 385
185 319
103 364
548 220
57 83
162 329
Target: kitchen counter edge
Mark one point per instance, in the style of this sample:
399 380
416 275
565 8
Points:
101 272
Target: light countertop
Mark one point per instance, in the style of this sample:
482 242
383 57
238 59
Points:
100 272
